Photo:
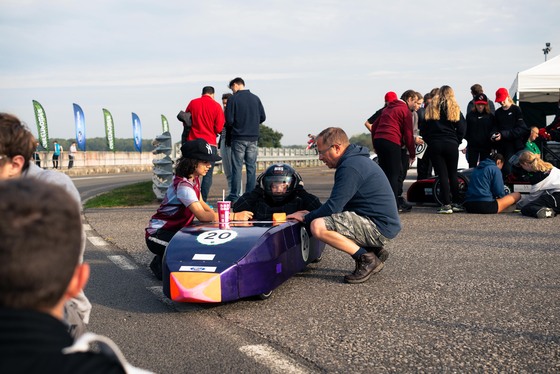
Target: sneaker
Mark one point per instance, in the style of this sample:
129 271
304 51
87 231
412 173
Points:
445 209
403 206
457 208
156 267
545 213
367 265
380 252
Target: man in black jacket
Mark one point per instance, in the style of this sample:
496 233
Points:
244 113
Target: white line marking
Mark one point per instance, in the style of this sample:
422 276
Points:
179 307
86 227
97 241
275 361
122 262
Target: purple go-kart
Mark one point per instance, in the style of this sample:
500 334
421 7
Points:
212 262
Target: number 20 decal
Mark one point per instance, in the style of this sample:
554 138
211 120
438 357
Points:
216 237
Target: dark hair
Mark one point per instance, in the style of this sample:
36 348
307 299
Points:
185 167
208 90
15 139
236 81
497 156
409 94
226 96
41 233
476 89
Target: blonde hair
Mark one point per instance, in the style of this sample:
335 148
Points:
444 103
535 162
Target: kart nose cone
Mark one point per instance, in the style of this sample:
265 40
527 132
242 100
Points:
195 287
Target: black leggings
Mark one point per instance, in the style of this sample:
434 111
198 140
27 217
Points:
445 157
545 200
389 156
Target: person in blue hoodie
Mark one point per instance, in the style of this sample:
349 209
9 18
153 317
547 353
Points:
485 192
360 216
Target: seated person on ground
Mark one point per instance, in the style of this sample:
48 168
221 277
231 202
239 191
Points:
485 192
182 202
279 190
544 199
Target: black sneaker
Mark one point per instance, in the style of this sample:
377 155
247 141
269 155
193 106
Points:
545 213
156 266
368 264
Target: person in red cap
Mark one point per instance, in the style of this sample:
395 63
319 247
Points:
389 96
509 132
480 121
390 132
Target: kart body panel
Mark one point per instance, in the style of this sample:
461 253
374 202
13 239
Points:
212 262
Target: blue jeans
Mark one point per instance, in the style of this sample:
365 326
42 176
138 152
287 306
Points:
243 152
207 179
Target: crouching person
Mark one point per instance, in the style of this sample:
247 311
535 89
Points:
182 202
40 252
361 215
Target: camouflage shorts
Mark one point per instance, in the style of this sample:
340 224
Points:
361 230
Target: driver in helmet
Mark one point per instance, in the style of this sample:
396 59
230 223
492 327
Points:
279 189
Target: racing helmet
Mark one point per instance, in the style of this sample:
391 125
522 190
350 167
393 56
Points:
279 181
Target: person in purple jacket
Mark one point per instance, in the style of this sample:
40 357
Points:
361 215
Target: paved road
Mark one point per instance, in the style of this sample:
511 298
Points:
460 293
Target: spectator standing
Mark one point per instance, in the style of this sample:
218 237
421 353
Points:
480 121
360 216
476 89
444 130
424 164
56 154
16 149
41 270
71 154
207 122
36 155
390 132
244 113
510 132
389 96
225 145
542 201
486 193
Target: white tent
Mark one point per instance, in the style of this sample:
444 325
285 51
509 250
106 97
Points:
539 84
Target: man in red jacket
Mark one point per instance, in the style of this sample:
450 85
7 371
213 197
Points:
392 130
208 121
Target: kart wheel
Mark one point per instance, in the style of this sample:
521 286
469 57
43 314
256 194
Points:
463 184
318 259
264 296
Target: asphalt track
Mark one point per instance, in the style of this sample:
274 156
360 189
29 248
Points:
459 293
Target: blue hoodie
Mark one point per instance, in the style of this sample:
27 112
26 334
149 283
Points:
361 186
485 182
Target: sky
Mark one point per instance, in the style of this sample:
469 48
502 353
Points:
314 64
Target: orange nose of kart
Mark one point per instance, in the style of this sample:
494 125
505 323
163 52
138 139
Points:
195 287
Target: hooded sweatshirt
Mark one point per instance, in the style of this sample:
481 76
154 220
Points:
485 183
361 186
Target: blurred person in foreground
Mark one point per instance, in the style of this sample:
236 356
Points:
41 231
360 217
17 145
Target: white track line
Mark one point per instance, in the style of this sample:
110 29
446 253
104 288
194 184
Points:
123 262
98 241
275 361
